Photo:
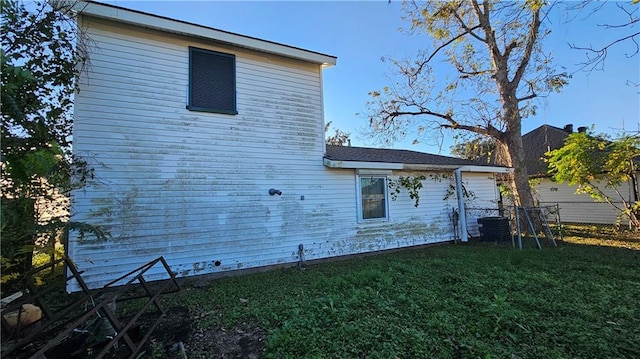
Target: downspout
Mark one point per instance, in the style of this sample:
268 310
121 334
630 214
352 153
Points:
461 210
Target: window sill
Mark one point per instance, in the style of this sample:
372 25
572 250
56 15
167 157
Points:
211 110
373 220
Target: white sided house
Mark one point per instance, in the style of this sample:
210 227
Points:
208 149
574 208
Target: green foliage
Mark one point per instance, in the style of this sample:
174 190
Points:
468 195
413 185
440 302
42 54
41 57
594 163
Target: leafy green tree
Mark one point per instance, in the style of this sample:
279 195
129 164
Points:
42 54
498 68
594 164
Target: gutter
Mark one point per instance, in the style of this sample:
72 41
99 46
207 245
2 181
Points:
462 213
362 165
411 166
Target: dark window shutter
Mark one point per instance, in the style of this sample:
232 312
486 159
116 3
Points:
212 83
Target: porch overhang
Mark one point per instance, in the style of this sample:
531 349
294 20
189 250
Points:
460 192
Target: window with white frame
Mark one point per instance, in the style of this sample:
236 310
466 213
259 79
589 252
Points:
373 197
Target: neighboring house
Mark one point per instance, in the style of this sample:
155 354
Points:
574 208
208 149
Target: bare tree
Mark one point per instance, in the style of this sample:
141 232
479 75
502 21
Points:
626 28
477 149
498 69
339 138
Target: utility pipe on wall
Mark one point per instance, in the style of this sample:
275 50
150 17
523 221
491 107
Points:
462 215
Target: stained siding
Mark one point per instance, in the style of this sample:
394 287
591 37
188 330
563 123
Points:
193 187
409 225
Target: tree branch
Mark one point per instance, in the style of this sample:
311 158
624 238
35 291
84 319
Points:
601 54
528 97
475 129
450 42
484 22
632 19
509 48
489 130
469 29
466 74
596 57
486 131
446 117
531 41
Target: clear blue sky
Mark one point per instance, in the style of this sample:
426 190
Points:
359 33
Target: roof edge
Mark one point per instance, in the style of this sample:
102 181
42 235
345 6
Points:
161 23
412 167
362 165
478 168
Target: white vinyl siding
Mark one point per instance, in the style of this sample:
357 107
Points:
580 208
431 221
193 186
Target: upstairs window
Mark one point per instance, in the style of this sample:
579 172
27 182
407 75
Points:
212 81
373 198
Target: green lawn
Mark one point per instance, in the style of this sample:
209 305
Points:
448 301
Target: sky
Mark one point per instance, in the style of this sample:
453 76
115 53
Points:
361 33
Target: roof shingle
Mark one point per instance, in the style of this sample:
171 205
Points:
539 141
364 154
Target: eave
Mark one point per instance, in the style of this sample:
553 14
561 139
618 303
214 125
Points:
412 166
160 23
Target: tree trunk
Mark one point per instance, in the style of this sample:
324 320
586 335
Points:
520 178
513 153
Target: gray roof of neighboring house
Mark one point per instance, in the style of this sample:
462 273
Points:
536 143
539 141
364 154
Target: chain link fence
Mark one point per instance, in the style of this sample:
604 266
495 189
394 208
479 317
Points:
593 219
575 219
